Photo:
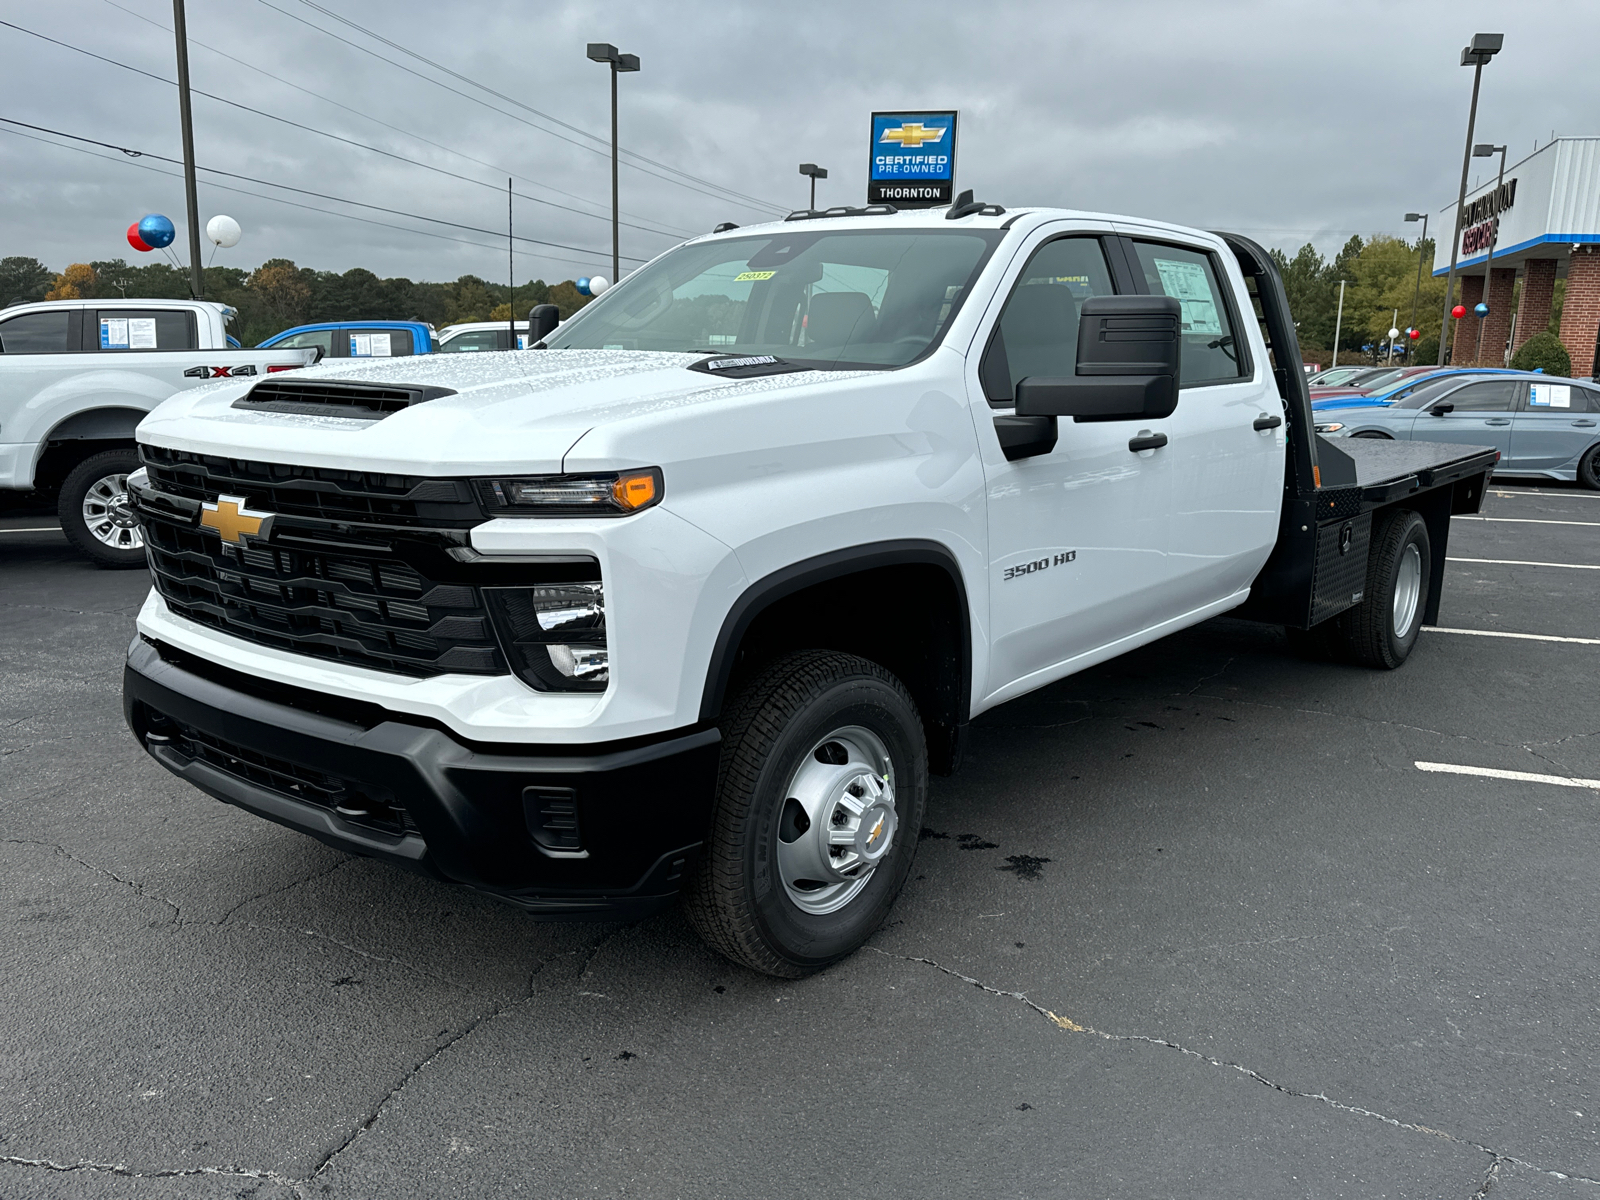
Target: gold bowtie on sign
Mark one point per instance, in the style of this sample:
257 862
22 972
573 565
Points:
912 134
234 522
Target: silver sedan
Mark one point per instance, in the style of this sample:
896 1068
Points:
1541 424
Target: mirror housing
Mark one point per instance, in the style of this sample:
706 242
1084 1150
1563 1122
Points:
1129 354
542 322
1441 407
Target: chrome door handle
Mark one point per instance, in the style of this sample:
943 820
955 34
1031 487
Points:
1147 441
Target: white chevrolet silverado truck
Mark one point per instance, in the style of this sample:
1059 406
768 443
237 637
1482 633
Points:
691 598
77 376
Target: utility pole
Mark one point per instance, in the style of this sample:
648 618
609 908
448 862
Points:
607 53
180 32
511 270
1486 151
1482 48
1416 296
1338 323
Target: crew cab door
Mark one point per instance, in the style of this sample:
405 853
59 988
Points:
1227 437
1077 535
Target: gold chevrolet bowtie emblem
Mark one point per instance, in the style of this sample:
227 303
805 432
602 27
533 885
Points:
912 134
233 521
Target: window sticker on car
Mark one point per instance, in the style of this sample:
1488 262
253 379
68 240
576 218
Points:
1550 395
381 346
753 276
1186 283
141 333
113 333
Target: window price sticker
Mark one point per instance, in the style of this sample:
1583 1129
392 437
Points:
1550 395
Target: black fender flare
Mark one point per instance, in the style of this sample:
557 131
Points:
836 563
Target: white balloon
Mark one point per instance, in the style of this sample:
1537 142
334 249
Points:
1394 333
598 284
224 231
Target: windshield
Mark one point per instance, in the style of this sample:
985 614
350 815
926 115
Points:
868 298
1425 391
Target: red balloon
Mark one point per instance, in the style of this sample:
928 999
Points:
137 242
1415 334
1459 311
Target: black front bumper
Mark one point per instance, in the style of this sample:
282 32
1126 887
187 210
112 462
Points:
389 786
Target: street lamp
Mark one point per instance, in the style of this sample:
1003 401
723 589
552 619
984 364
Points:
1487 151
607 53
816 173
1482 48
1416 296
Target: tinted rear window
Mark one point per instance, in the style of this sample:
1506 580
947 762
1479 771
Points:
36 333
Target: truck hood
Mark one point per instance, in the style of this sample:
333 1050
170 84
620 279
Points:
512 410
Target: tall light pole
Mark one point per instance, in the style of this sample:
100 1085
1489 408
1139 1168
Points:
181 33
1482 48
607 53
1338 322
1416 296
816 173
1488 151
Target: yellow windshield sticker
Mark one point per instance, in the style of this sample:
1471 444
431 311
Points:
753 276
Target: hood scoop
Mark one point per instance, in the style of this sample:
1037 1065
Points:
331 398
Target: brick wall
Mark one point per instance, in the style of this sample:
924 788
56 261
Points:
1497 325
1464 340
1580 311
1538 290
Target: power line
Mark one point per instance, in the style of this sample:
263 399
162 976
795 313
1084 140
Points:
668 231
722 194
270 116
602 143
495 233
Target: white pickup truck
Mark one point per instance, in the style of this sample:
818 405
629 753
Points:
76 377
693 596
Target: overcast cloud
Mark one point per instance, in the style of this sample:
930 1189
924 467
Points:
1290 122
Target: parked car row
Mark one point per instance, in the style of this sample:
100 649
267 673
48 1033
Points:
1540 424
399 339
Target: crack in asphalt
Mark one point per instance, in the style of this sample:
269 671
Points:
128 1172
1490 1177
138 888
356 950
1204 679
1068 1025
80 612
1351 716
278 891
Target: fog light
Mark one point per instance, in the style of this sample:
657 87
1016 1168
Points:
554 634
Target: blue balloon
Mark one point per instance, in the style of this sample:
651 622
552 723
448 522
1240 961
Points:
155 230
583 286
1481 309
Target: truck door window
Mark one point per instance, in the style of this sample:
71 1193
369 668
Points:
36 333
119 329
1211 353
1037 334
474 340
1489 396
322 338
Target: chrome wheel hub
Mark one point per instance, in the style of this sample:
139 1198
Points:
108 514
1407 589
838 821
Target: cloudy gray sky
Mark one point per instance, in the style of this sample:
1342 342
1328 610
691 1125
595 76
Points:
1292 122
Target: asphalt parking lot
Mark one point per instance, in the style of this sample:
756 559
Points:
1192 924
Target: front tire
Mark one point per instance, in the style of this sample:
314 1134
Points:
820 796
95 511
1383 628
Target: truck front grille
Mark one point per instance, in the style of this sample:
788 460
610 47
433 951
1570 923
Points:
348 589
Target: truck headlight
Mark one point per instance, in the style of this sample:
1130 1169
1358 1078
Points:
616 494
554 634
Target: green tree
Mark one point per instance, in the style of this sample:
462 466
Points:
23 279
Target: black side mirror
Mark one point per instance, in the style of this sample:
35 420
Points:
1129 355
542 322
1444 406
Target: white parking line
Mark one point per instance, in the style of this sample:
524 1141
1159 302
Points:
1517 562
1526 521
1530 637
1559 495
38 529
1520 776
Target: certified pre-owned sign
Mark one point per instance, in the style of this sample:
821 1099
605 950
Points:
913 161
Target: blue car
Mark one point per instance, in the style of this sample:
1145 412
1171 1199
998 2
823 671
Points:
357 339
1541 424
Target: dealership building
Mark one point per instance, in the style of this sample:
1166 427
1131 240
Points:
1547 213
